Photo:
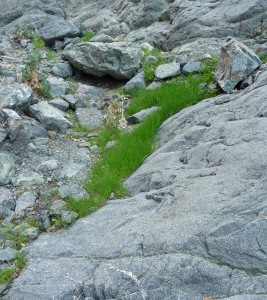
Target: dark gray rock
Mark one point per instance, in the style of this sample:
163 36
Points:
13 123
119 60
58 86
24 201
150 58
7 255
60 104
71 100
89 117
168 70
141 115
7 168
3 134
192 67
72 190
50 117
137 82
247 82
62 69
35 129
236 62
183 60
16 96
58 29
5 45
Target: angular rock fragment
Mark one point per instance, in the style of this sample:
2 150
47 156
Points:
192 67
58 86
13 122
236 62
141 115
62 69
137 82
119 60
89 117
168 70
7 168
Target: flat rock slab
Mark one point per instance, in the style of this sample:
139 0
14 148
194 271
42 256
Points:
194 227
119 60
90 118
24 201
58 86
50 117
236 62
141 115
7 168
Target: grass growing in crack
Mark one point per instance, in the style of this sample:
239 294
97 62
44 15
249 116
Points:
8 274
15 236
133 147
263 58
87 37
27 32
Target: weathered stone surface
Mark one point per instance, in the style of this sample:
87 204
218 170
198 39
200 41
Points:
6 199
62 69
50 117
71 100
30 233
236 62
69 217
89 117
7 255
29 178
16 96
137 82
141 115
72 190
154 85
119 60
13 122
60 104
102 38
24 201
7 166
58 86
58 29
57 207
168 70
196 218
192 67
48 166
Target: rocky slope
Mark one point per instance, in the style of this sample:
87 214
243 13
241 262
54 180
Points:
194 227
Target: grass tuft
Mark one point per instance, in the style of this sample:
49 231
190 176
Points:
87 37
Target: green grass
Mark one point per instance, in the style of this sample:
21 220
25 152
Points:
8 274
263 58
87 37
38 42
27 32
51 55
133 147
14 236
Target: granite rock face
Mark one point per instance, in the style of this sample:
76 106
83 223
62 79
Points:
195 224
119 60
236 62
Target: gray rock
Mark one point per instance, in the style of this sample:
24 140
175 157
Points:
236 62
48 166
7 168
192 67
102 38
5 45
69 217
247 82
58 86
137 82
16 96
72 190
60 104
13 122
62 69
30 233
57 45
24 43
116 30
6 199
57 207
25 201
88 92
58 29
146 46
89 117
183 60
50 117
7 255
150 58
9 76
168 70
119 60
154 85
3 134
141 115
71 100
35 129
94 149
28 178
72 170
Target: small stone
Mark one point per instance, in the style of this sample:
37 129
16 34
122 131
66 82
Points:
146 46
183 60
154 85
137 82
110 144
26 200
94 149
7 255
102 38
72 190
150 58
57 207
89 117
6 198
28 178
62 70
168 70
30 233
48 166
141 115
69 217
24 43
71 100
7 166
60 104
14 123
192 67
58 86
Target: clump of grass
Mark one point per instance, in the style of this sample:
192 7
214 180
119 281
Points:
8 274
87 37
27 32
133 147
51 55
263 58
14 236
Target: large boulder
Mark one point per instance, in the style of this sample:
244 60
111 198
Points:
58 29
194 227
17 97
236 62
119 60
50 117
